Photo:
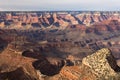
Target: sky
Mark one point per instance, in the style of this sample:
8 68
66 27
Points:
59 5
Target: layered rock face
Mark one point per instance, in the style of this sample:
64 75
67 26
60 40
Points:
102 64
54 19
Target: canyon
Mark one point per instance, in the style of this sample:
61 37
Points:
60 45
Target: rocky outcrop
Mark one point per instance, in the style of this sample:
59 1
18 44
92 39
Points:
46 68
102 63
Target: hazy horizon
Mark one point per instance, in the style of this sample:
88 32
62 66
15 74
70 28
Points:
54 5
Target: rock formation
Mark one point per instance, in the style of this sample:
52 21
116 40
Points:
46 68
57 19
102 63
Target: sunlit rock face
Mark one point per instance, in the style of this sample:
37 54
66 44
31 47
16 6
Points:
102 63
